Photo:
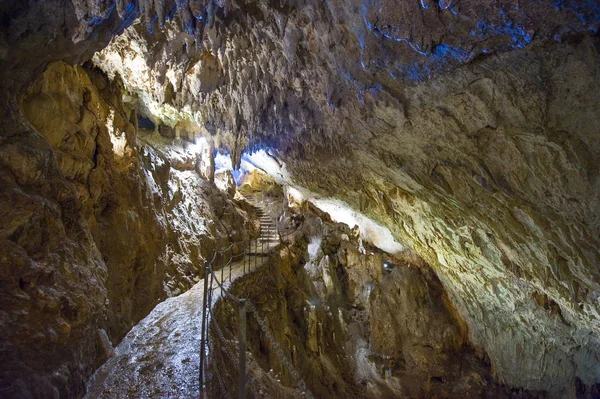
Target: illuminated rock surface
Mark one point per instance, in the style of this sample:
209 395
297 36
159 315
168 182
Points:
468 128
131 226
352 328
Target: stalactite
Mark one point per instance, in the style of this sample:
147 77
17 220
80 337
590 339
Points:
159 8
211 170
120 5
226 5
147 7
233 155
210 11
134 6
197 8
199 32
187 20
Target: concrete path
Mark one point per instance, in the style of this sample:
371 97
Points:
160 356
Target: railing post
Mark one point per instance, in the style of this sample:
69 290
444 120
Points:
242 347
203 330
210 293
208 312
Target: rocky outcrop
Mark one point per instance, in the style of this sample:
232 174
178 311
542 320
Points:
488 176
129 231
352 327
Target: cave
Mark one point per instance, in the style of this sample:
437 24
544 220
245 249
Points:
300 199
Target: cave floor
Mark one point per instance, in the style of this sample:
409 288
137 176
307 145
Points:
160 356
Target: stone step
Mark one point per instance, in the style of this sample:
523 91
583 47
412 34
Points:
263 240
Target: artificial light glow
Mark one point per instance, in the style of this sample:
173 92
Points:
387 266
118 139
370 231
267 163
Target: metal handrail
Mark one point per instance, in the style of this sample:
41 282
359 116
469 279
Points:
208 313
221 251
214 256
220 285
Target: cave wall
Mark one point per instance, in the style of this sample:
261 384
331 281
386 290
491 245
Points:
135 225
489 173
468 130
351 328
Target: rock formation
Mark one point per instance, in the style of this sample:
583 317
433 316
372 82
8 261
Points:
466 127
352 327
133 224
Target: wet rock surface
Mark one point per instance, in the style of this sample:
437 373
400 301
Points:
160 356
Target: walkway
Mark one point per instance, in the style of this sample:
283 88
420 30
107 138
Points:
160 356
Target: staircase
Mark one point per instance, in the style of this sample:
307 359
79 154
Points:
268 237
176 328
